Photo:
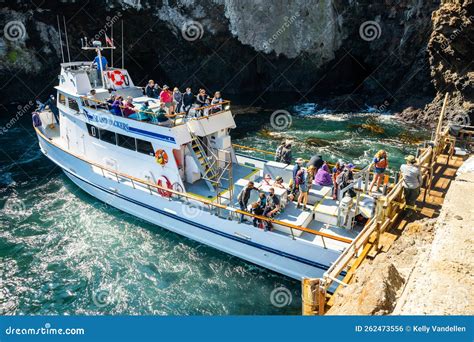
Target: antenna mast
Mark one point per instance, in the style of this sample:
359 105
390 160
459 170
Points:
60 39
122 48
112 51
67 42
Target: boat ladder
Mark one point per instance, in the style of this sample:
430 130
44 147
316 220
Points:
208 166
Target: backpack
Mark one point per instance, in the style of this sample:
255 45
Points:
299 177
341 179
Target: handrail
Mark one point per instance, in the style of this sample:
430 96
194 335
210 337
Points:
195 198
150 112
344 258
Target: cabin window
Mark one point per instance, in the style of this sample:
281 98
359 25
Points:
107 136
62 99
73 104
126 142
93 131
145 147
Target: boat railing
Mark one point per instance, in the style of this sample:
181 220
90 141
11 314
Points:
176 118
172 194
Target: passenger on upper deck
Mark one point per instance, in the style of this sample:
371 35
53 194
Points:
141 114
217 100
129 107
51 103
178 99
115 109
302 182
336 171
156 91
161 117
149 89
92 100
101 64
202 100
166 97
188 100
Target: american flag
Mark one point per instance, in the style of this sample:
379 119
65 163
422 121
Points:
108 40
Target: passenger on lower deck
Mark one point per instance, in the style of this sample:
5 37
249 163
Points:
258 208
244 196
323 177
336 171
272 207
302 182
316 161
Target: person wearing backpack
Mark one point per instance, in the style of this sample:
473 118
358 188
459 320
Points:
336 171
302 182
345 178
380 162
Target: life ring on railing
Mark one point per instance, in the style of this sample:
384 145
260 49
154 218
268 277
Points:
116 77
161 157
164 182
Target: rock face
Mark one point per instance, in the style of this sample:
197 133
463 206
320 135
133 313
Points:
373 292
378 285
450 49
371 52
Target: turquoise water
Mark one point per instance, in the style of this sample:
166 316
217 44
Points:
64 252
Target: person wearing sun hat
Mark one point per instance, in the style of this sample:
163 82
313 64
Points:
411 180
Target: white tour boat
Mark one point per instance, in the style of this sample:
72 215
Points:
185 176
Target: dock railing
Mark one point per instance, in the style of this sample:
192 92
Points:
387 211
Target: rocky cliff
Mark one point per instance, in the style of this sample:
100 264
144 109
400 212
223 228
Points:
350 52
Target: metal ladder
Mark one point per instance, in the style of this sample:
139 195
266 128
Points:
207 165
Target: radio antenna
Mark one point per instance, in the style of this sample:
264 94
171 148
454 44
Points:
112 39
67 42
122 48
60 39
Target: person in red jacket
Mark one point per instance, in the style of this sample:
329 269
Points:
166 97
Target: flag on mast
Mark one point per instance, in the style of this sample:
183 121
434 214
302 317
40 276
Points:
109 41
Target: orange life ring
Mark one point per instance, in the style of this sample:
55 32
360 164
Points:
161 157
116 77
163 181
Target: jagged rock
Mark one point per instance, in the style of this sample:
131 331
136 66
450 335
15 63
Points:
373 292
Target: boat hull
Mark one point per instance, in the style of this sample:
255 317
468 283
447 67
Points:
295 258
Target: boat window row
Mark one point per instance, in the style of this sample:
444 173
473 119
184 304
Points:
121 140
68 101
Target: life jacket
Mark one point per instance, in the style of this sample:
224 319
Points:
382 163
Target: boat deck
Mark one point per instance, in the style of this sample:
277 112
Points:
200 188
